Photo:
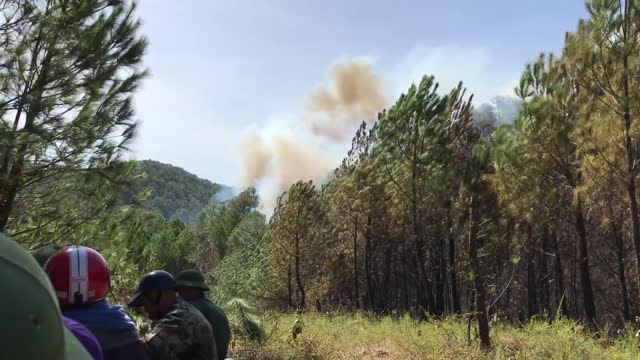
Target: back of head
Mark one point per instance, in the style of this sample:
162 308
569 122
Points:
155 280
31 325
42 254
79 274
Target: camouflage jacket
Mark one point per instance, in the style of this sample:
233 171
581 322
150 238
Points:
183 333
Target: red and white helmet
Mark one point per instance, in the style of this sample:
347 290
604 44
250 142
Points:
79 275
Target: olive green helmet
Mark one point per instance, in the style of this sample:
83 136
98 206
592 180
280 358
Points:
191 279
31 325
42 254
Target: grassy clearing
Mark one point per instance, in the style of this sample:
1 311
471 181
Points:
356 336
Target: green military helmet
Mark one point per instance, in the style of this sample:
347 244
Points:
191 279
31 326
42 254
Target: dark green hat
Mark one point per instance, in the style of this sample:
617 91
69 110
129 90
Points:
42 254
191 279
31 325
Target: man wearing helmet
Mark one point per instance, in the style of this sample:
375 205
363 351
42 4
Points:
81 279
179 330
33 326
191 288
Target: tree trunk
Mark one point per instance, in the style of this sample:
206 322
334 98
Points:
440 276
617 235
544 273
301 291
561 294
481 305
532 289
630 152
574 281
356 277
394 281
367 263
631 192
583 260
423 285
455 296
405 289
290 285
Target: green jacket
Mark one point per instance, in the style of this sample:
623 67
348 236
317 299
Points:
219 323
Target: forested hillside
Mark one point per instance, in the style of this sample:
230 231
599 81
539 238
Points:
175 192
439 210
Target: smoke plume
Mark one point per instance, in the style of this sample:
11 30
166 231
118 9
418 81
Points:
256 157
273 160
296 161
356 94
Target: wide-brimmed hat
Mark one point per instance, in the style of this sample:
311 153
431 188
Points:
191 279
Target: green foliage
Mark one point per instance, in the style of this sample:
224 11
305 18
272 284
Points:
244 324
241 274
215 236
299 241
422 218
296 329
357 336
66 88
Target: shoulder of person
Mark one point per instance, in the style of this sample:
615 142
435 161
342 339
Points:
174 318
188 311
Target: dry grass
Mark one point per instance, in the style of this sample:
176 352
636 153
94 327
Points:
356 336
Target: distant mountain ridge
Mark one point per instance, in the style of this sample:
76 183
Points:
177 193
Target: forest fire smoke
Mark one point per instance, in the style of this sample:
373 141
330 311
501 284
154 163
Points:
357 94
273 160
255 159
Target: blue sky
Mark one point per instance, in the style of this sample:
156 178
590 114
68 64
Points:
220 68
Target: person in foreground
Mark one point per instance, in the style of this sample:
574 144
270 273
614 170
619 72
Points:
32 326
191 288
82 279
179 330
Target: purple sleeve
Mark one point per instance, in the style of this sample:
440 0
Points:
85 336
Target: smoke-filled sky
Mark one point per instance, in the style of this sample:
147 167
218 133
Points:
276 78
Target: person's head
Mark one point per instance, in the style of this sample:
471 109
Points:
156 293
43 253
191 284
31 326
80 275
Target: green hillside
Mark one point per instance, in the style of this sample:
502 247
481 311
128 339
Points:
176 193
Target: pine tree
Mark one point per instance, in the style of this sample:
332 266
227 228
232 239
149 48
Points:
69 72
416 149
604 59
546 125
298 240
